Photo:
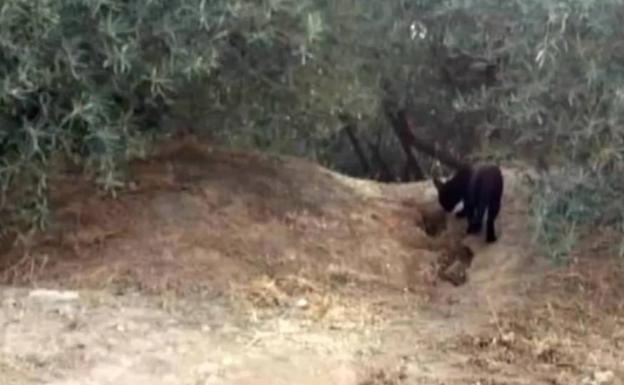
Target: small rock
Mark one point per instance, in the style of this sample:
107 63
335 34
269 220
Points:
9 302
508 338
54 295
302 303
603 377
455 273
599 378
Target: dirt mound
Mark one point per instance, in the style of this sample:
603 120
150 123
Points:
196 218
341 281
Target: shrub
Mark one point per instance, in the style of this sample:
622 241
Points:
88 82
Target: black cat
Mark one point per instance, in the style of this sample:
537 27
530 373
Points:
480 188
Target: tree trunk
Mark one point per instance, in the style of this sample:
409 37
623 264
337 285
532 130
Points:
385 174
349 129
401 130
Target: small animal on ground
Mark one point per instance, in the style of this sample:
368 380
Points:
480 188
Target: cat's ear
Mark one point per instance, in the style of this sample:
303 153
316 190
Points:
437 183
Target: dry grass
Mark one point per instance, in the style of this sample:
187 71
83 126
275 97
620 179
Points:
570 327
198 218
382 377
286 241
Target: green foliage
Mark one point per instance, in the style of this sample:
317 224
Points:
566 106
89 81
93 82
562 203
560 99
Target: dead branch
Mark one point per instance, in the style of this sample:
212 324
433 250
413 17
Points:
349 128
425 146
401 130
385 173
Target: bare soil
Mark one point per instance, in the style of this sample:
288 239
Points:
220 267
